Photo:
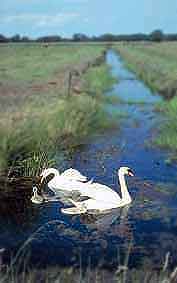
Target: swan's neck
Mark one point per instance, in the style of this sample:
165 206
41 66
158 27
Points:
124 191
47 172
54 172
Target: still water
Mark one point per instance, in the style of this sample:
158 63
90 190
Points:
145 231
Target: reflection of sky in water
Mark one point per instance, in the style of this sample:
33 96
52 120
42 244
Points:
129 88
150 222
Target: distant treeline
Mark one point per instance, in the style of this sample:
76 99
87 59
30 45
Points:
156 35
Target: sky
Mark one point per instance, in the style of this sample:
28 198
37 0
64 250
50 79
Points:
36 18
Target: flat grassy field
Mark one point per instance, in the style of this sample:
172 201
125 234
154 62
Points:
32 69
156 65
36 114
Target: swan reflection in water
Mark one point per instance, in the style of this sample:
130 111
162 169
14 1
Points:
114 219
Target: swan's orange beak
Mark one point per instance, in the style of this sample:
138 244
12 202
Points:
130 173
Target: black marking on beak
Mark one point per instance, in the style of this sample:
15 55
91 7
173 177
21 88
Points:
130 173
46 179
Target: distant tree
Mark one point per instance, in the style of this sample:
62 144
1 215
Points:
171 37
139 37
107 37
49 38
94 38
80 37
3 39
25 39
157 35
16 38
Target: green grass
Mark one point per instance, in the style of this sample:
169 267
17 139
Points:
97 80
168 131
34 72
66 123
24 64
44 123
155 63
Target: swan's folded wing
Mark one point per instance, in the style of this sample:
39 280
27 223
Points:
74 174
100 192
73 210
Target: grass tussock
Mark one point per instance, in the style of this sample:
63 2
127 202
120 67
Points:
97 80
44 125
168 131
67 123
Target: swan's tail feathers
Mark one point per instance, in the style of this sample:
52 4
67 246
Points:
74 174
78 208
90 181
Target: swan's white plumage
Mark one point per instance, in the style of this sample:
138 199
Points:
101 197
74 174
63 181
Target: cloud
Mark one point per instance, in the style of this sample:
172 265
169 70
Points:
40 20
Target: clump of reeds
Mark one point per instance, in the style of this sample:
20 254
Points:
33 165
58 124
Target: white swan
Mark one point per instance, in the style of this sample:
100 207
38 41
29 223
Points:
101 197
69 180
